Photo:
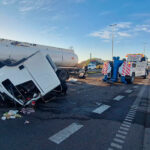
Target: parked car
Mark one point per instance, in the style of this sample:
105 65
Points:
91 66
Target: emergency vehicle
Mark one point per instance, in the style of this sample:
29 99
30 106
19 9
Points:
136 65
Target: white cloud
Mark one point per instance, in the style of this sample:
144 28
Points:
121 30
123 34
104 13
145 28
29 5
141 15
102 34
26 9
8 2
78 1
123 25
48 29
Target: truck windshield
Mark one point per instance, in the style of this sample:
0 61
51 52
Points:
134 58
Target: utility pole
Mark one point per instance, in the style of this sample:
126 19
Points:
90 57
113 27
144 47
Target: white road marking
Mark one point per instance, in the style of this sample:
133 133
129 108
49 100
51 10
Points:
125 122
132 111
128 120
122 132
123 128
134 108
118 98
118 140
110 149
129 115
125 125
128 91
135 86
120 136
101 109
116 145
65 133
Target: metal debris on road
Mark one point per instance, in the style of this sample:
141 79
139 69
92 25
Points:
11 114
73 80
26 122
27 111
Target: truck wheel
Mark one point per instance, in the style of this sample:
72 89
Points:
146 74
63 75
64 87
131 79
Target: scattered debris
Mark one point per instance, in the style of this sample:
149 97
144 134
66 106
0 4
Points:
73 80
97 103
3 118
27 110
26 122
11 114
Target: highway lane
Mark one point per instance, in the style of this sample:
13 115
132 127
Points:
90 117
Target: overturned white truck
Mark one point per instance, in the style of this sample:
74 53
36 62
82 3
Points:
29 79
65 59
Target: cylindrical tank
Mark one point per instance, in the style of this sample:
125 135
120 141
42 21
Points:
17 50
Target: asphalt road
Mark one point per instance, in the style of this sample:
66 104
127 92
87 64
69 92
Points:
93 116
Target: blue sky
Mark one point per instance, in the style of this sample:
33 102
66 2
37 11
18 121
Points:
81 24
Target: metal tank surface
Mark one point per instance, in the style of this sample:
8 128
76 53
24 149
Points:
14 50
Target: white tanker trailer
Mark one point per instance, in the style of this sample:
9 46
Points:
65 59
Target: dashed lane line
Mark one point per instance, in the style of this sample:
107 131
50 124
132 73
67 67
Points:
125 122
101 109
135 86
122 132
120 136
119 97
65 133
115 145
128 91
125 125
128 120
124 128
119 139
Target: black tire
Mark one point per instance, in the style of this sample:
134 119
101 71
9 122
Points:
146 74
131 79
64 87
63 75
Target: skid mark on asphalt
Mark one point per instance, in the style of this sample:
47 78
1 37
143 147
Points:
119 139
101 109
65 133
119 97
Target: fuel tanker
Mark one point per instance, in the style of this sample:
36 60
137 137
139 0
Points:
64 59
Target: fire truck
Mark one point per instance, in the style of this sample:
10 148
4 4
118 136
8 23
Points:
135 65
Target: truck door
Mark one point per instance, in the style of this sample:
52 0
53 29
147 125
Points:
42 73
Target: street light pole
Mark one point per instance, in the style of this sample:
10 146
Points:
144 47
113 27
